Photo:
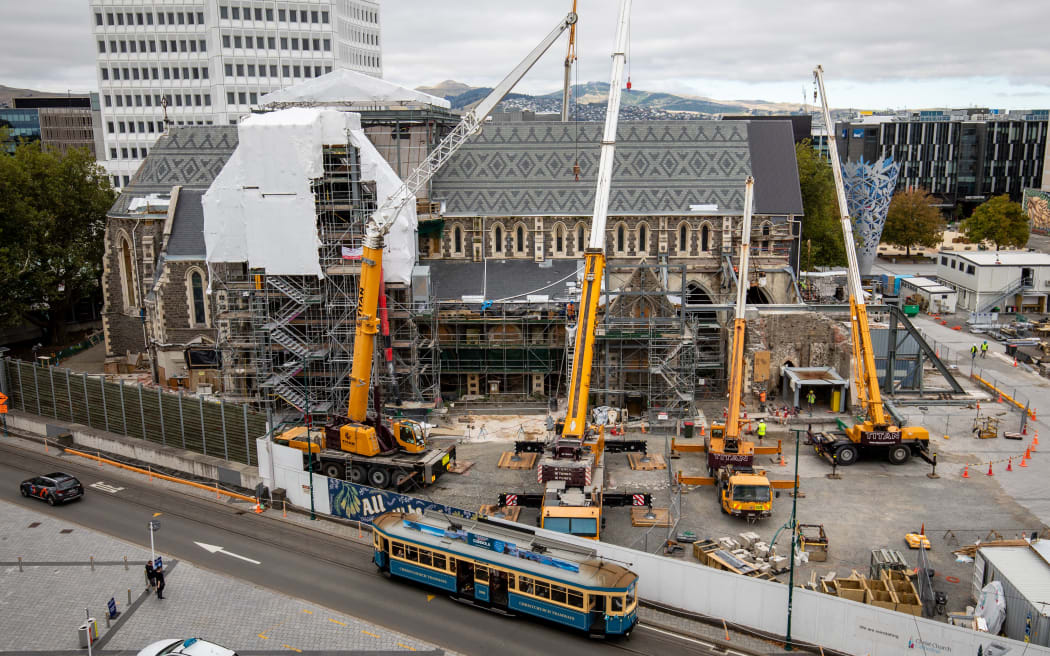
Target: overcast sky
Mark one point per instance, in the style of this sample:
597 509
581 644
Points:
891 53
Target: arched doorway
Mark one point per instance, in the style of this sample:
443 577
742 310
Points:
758 296
697 295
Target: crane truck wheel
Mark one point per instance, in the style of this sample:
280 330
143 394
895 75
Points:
846 455
358 474
332 470
899 454
378 477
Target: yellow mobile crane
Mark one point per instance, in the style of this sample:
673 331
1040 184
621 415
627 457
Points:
574 477
877 433
360 446
743 490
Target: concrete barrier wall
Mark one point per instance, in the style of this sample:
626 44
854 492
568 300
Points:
92 440
282 467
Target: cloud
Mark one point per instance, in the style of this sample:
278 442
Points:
882 51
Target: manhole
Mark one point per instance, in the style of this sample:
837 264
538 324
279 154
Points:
34 525
66 530
239 512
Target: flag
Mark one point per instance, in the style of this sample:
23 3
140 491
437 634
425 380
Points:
352 253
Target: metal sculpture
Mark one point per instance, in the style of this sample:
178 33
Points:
869 188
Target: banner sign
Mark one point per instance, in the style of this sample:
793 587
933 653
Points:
362 503
878 438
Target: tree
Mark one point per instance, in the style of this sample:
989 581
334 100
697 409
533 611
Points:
52 226
912 220
822 243
999 221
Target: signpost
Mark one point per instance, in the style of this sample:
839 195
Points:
154 526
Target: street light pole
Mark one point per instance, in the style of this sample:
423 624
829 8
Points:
794 536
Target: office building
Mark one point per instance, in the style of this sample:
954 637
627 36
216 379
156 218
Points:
962 156
207 62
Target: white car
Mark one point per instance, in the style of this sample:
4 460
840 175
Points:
188 647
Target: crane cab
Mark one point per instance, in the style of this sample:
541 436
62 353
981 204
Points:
746 495
410 435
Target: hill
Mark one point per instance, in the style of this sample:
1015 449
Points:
590 95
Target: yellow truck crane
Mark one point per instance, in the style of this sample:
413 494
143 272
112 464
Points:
358 446
877 434
743 490
573 476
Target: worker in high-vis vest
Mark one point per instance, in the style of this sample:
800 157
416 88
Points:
811 399
761 428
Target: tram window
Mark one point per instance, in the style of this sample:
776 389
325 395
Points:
439 561
630 595
452 565
543 590
510 580
398 550
576 598
558 593
525 585
424 557
411 553
616 603
481 574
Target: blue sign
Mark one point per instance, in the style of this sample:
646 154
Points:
858 133
112 607
158 563
362 503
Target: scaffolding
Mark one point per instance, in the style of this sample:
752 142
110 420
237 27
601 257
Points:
287 340
654 357
510 351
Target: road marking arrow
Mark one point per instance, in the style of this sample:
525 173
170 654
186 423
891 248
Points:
106 487
211 548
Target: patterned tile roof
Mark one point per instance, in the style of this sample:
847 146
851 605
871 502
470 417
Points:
190 156
661 167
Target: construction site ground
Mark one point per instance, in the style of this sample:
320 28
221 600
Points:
873 505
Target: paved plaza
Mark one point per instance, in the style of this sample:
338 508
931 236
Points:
43 601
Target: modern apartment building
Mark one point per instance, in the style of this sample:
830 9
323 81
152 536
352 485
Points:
207 62
57 122
962 156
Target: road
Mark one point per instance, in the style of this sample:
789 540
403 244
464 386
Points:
310 565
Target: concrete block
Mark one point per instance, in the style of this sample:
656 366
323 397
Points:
760 550
728 543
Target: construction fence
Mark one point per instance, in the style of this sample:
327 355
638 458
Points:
215 428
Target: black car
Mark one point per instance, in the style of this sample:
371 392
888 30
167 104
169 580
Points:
53 488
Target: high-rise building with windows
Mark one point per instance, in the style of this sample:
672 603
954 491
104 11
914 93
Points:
207 62
961 156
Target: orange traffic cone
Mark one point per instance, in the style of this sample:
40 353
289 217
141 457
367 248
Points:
702 429
1024 463
966 471
1035 440
258 509
1000 399
783 463
1009 464
990 469
1015 361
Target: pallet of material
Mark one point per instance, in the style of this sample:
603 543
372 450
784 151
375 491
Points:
662 517
636 460
509 513
460 466
524 461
